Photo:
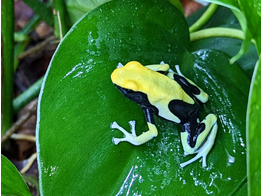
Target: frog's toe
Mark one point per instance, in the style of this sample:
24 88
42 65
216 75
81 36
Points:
116 140
128 137
132 124
114 125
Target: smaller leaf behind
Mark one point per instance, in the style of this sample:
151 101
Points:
77 9
243 19
178 5
11 180
42 10
224 18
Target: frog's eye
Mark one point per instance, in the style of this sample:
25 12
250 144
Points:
131 85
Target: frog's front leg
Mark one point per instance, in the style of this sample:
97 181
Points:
128 137
202 137
132 137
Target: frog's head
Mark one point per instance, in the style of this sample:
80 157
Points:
127 76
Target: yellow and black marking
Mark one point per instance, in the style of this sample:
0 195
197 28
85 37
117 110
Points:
172 97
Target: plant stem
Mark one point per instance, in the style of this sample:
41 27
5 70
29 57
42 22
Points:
31 24
20 122
20 46
217 32
204 18
62 22
221 32
27 96
7 31
31 160
16 136
36 48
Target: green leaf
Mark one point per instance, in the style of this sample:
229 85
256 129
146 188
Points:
178 5
204 18
249 21
77 9
32 181
62 21
11 180
42 10
254 133
31 93
252 12
242 190
225 18
78 102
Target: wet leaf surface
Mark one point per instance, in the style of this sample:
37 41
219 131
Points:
78 102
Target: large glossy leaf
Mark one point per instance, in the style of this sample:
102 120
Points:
11 180
78 102
76 9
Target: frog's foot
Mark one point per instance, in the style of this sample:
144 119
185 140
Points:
204 149
129 137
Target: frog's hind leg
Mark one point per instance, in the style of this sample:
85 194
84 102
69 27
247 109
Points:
205 127
205 140
188 85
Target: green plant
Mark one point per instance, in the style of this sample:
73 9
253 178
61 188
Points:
12 182
7 30
78 103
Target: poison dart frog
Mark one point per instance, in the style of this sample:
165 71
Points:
160 91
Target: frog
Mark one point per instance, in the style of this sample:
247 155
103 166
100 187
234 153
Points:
160 91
